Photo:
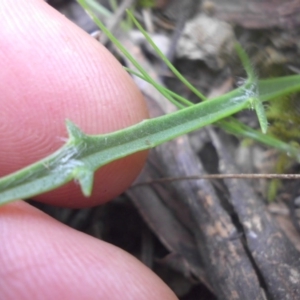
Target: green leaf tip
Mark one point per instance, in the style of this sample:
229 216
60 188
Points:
85 178
74 132
261 115
243 56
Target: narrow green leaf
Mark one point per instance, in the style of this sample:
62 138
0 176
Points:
246 62
237 128
261 115
122 49
270 89
165 59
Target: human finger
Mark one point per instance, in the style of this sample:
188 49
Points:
41 258
52 71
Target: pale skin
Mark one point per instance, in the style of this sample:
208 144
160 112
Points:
51 70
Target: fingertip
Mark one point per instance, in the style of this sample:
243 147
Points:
45 259
53 71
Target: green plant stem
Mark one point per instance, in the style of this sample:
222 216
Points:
83 154
121 47
177 100
165 59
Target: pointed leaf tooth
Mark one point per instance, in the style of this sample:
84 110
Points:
74 131
85 177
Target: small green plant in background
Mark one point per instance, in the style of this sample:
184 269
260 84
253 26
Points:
284 117
146 3
83 154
